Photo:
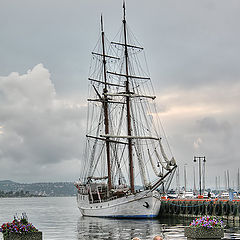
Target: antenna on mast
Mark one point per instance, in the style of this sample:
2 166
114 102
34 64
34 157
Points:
124 11
101 23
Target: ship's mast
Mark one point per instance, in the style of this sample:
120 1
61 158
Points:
105 107
129 127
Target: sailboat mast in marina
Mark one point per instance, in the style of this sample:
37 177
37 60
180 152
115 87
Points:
125 162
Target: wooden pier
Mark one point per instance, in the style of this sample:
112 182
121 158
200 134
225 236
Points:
225 209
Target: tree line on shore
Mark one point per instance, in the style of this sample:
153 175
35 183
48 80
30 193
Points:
21 193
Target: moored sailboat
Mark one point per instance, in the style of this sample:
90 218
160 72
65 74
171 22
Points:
124 148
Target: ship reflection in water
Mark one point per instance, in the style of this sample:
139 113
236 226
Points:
125 229
104 228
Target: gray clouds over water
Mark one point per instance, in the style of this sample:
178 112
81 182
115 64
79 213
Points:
192 50
39 132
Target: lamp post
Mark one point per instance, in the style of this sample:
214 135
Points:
195 159
185 178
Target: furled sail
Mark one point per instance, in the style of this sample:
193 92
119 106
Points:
171 162
163 153
141 166
165 166
157 173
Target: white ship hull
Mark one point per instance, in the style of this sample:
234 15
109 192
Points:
140 205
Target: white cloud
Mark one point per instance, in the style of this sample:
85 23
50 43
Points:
39 128
42 133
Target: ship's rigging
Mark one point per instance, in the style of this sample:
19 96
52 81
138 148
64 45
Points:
125 142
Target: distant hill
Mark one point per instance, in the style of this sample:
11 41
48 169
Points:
51 189
6 182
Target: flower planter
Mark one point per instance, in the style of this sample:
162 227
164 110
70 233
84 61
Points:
20 229
203 232
23 236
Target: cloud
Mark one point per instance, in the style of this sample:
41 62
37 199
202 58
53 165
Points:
203 121
42 132
192 51
37 127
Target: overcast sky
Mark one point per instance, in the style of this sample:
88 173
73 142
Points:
192 48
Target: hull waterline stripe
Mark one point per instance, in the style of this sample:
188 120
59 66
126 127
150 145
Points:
126 216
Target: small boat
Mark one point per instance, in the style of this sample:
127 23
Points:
224 195
209 194
172 194
125 143
189 194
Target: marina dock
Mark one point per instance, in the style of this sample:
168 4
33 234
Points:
199 207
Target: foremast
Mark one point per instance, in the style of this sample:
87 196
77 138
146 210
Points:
129 127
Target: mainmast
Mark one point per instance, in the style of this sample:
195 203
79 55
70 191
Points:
105 107
129 127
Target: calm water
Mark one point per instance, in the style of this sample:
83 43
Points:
59 218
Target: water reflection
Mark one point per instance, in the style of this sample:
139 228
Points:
59 219
170 228
232 230
103 228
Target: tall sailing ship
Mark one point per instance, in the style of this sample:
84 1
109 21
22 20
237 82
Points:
125 160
